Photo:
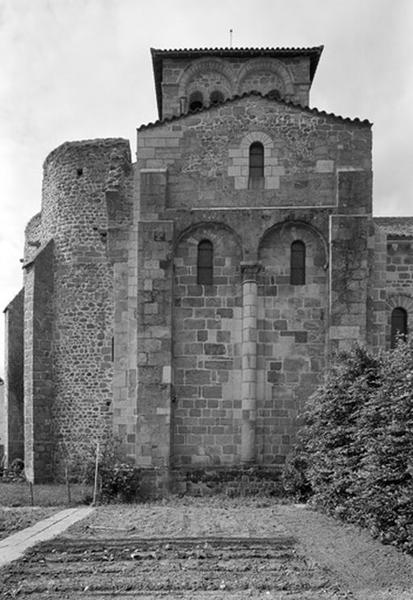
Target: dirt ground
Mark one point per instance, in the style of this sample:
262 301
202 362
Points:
211 548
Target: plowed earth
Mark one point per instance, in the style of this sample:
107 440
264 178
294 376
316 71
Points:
210 549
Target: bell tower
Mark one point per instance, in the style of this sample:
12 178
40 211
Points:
187 80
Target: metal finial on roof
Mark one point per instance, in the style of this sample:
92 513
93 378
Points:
230 38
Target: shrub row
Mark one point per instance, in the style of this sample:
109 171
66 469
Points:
356 446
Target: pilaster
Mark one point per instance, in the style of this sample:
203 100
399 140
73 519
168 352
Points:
249 271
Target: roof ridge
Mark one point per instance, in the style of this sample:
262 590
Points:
243 49
253 93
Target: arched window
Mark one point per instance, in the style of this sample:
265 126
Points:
195 101
297 272
216 97
256 165
205 262
274 95
398 325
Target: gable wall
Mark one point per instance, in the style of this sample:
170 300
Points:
247 351
207 155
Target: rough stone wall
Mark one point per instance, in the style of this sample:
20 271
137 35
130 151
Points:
292 327
207 158
13 381
74 214
207 351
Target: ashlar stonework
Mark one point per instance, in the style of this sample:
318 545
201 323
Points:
199 358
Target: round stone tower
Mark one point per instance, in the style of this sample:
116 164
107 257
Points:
78 328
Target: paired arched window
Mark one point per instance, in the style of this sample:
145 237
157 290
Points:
205 262
398 325
216 97
256 163
196 101
297 263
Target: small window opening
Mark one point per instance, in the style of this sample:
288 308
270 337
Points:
274 95
398 325
79 172
216 97
256 160
256 165
195 101
297 271
205 262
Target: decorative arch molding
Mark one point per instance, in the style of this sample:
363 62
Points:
266 64
257 136
396 300
285 226
203 66
205 225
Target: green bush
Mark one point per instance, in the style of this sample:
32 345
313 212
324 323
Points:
295 477
119 482
358 439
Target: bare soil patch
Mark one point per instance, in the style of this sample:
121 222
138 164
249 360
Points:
211 548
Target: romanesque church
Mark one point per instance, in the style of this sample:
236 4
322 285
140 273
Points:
189 301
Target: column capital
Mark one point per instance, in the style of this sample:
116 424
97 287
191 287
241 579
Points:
250 270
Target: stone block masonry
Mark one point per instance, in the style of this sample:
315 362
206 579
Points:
189 304
207 325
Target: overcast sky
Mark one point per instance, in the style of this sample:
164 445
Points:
80 69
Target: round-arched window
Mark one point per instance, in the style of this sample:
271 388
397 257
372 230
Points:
196 101
256 170
297 268
274 95
398 325
205 262
216 97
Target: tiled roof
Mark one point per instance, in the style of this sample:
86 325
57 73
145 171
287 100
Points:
315 111
396 226
158 55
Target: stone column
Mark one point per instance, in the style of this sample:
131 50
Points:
249 271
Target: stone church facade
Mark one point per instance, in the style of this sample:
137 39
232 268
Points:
189 302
